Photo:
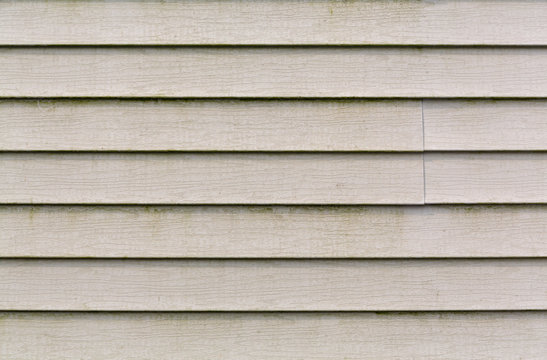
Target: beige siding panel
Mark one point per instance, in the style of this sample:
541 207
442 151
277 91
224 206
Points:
211 178
341 125
273 285
246 336
485 125
273 232
486 177
453 22
273 72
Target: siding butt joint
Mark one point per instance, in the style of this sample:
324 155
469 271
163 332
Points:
423 151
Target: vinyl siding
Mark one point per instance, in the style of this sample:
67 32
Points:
454 231
280 22
424 335
299 72
273 179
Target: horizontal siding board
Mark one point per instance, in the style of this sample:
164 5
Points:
273 232
272 72
211 125
486 177
485 125
267 285
453 22
244 336
211 178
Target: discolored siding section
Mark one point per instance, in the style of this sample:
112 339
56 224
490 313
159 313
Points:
279 22
273 179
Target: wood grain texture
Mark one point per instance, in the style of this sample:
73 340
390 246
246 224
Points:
268 285
245 336
341 125
272 72
486 177
273 232
211 178
485 125
445 22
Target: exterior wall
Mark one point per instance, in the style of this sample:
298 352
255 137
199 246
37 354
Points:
273 179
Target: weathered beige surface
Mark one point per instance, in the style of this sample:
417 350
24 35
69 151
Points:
255 285
272 72
245 336
273 232
261 202
485 125
333 125
486 177
441 22
198 178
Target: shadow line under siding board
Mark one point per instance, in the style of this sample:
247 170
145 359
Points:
167 72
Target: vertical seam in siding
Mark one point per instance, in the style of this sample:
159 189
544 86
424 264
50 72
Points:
423 151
